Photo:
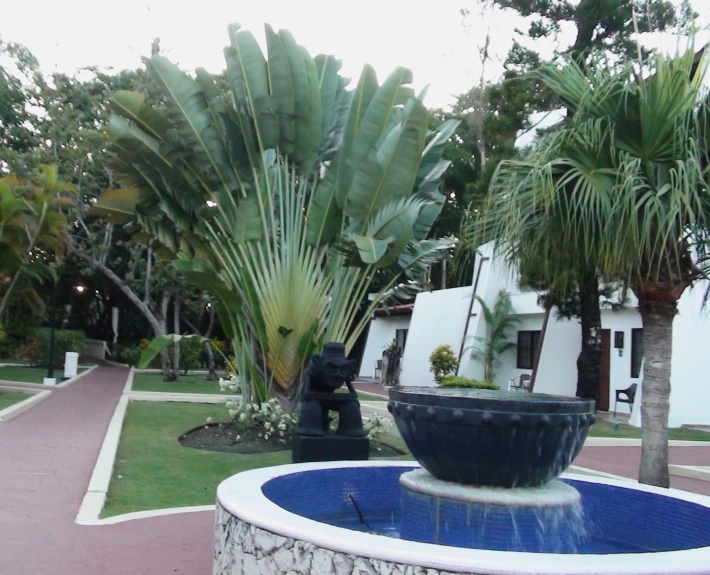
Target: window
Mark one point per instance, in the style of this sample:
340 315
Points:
401 337
527 348
636 351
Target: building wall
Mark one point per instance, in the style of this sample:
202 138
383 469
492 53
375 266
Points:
381 333
439 318
690 383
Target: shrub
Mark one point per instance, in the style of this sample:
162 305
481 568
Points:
129 354
269 419
190 354
38 343
375 425
464 382
443 363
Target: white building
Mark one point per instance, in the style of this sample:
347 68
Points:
442 317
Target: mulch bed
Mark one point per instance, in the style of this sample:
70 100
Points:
222 437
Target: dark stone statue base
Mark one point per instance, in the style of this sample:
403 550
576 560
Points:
329 448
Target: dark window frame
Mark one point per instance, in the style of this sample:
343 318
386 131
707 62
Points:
404 338
636 352
528 342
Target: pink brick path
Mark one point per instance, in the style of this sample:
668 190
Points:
46 458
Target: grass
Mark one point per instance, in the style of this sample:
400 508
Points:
186 384
29 374
8 398
157 472
608 429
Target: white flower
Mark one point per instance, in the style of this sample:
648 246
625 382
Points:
242 417
209 420
237 438
267 436
233 413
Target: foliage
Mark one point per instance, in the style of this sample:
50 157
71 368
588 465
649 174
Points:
129 354
457 381
608 25
443 362
500 320
282 194
375 425
190 354
37 346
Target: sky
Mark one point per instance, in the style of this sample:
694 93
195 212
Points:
428 37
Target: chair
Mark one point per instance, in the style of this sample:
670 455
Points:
629 393
523 384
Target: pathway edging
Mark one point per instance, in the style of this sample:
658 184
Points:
35 397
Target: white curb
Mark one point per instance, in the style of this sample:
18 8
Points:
20 407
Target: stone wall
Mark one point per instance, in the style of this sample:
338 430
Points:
243 549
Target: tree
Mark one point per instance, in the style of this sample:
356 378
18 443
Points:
500 319
622 185
283 196
33 225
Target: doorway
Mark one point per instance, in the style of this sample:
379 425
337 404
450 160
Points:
603 391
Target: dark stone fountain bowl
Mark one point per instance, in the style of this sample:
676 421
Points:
491 438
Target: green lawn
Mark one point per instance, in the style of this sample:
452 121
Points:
8 398
187 384
29 374
157 472
608 429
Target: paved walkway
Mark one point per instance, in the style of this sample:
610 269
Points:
46 460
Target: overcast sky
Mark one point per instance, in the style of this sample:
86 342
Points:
427 36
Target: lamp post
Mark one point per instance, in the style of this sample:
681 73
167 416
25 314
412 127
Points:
50 379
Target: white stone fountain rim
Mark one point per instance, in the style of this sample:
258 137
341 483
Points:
241 495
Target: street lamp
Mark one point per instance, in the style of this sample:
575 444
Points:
50 379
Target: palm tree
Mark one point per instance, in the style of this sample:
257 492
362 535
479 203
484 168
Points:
33 224
282 194
500 319
621 188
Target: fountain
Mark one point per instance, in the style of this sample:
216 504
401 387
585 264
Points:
489 496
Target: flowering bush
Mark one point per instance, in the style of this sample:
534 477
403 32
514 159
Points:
269 419
375 425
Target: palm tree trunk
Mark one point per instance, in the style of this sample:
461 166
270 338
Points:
657 319
11 287
590 357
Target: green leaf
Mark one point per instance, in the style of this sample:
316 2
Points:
282 88
315 113
389 171
366 89
428 215
371 250
301 93
133 106
247 223
116 206
256 98
191 114
324 215
395 220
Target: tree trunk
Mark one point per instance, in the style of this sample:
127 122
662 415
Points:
212 372
6 298
590 357
166 367
657 319
176 331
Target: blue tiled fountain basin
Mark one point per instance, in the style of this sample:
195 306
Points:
613 519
